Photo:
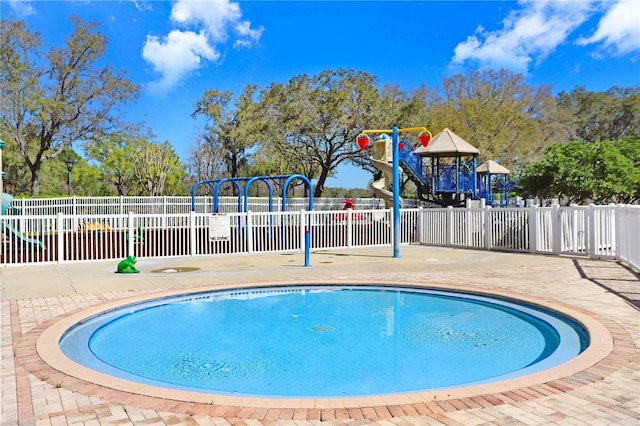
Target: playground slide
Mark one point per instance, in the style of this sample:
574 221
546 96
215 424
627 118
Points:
412 163
379 186
6 228
11 230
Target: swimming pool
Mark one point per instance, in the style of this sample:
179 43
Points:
323 341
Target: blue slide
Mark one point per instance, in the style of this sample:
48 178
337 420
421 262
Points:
5 227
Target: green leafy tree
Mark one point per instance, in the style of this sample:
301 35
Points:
157 168
629 147
230 128
498 113
315 120
17 177
115 156
597 116
52 99
578 172
86 179
136 166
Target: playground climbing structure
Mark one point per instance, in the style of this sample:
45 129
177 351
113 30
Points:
445 170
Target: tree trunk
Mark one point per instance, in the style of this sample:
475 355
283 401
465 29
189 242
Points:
35 178
317 193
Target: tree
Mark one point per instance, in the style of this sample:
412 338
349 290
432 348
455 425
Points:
51 100
115 156
598 116
600 172
136 166
206 160
498 113
157 168
232 129
17 179
315 120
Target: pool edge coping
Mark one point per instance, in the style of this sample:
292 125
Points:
44 340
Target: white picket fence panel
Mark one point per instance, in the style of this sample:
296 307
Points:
604 232
182 204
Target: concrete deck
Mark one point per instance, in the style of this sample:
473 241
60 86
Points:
600 388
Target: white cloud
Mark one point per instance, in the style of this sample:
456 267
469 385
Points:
175 56
619 29
142 5
215 16
21 8
215 21
529 34
244 29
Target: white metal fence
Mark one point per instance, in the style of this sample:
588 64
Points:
607 232
181 204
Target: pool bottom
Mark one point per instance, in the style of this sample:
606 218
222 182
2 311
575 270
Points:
372 340
118 389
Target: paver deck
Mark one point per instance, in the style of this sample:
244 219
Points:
605 391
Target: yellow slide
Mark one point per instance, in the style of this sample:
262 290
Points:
381 160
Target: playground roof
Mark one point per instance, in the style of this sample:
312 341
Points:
447 144
493 168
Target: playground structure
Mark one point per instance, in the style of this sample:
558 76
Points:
285 230
444 169
347 205
12 232
497 186
243 193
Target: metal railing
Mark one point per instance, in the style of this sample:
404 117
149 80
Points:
604 232
179 204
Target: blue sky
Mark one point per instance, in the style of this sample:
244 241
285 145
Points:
177 49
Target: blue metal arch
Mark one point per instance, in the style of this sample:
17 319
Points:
286 185
215 184
264 179
193 191
216 191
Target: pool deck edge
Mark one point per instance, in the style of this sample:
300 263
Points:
604 376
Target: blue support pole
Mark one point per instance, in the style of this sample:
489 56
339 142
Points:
395 170
307 247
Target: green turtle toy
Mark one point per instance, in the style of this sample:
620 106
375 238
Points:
128 265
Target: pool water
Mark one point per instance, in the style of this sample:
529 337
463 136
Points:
322 341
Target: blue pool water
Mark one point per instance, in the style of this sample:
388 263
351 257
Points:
323 341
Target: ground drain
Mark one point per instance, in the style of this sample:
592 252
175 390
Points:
175 270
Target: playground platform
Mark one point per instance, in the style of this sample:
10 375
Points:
34 297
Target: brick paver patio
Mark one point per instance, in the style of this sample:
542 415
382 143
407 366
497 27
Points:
604 393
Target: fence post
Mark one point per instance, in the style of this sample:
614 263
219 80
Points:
419 226
533 228
74 209
591 232
192 233
449 224
613 223
303 227
130 233
249 232
60 242
487 226
556 229
350 228
468 223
